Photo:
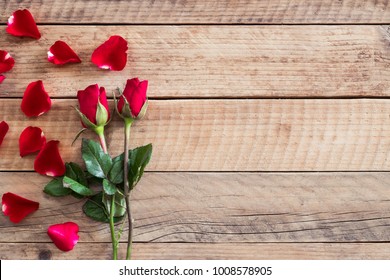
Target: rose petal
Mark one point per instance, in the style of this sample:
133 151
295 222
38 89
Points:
36 100
135 93
112 54
88 101
2 78
17 207
3 130
22 24
31 140
48 161
6 61
60 53
64 236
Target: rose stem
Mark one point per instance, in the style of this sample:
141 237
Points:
112 229
128 123
102 138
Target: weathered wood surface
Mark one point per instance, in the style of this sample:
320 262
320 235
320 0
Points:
199 11
214 61
229 135
201 251
216 54
224 208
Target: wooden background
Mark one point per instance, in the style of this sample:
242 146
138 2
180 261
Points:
270 122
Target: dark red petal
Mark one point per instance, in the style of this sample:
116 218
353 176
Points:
48 161
60 53
138 98
3 130
6 61
2 78
36 100
112 54
127 92
17 207
22 24
88 101
64 236
31 140
135 93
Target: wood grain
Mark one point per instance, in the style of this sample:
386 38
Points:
198 11
201 251
214 61
228 135
224 208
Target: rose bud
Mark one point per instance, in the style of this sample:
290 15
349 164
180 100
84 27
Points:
133 102
94 111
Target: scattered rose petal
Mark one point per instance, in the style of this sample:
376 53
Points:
36 100
60 53
22 24
3 130
6 61
64 236
112 54
48 161
31 140
17 207
2 78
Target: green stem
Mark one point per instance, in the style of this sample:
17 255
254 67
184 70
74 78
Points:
100 132
112 229
128 123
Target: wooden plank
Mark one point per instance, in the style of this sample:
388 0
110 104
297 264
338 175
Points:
198 11
224 208
201 251
228 135
214 61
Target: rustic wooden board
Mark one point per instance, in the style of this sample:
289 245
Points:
198 11
229 135
224 208
201 251
214 61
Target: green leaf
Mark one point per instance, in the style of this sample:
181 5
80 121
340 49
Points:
75 172
56 188
76 187
97 162
116 173
108 187
119 204
138 159
95 209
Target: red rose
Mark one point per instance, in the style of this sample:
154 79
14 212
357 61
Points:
93 107
133 102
